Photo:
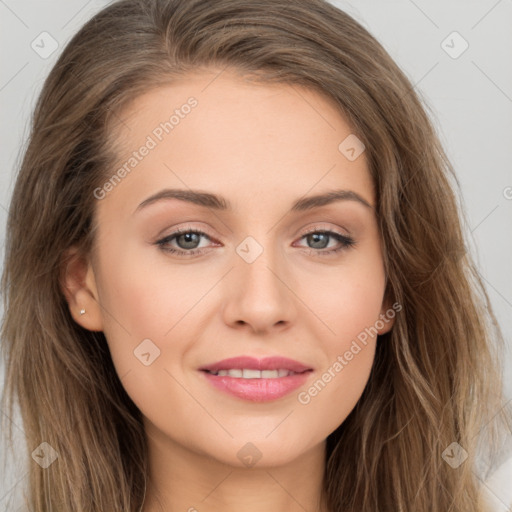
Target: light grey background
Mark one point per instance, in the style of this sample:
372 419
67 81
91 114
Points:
470 96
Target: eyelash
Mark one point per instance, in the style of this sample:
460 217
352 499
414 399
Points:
346 242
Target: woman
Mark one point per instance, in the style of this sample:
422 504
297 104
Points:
324 343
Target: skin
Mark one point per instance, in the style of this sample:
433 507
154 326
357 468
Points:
262 147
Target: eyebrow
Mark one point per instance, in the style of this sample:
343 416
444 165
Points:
219 203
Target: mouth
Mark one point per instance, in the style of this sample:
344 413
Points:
257 380
247 373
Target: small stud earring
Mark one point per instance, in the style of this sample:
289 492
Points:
82 311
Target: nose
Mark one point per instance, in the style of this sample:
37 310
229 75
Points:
258 295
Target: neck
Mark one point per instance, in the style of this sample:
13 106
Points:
184 480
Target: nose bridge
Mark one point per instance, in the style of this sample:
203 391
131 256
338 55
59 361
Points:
257 294
260 261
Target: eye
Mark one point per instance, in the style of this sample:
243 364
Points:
188 241
320 240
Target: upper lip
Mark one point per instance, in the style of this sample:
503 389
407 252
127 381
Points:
252 363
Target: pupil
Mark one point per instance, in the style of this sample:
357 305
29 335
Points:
189 238
316 237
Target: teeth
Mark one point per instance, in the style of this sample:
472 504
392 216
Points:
246 373
230 373
251 374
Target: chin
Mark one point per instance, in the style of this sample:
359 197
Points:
261 452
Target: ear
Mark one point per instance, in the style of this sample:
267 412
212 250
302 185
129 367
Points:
387 314
78 284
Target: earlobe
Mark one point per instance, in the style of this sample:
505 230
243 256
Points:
386 317
78 284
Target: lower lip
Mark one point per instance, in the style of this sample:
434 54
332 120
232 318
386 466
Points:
258 390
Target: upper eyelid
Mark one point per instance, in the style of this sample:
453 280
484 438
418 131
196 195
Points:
346 241
202 232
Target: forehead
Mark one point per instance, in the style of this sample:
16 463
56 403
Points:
237 137
228 88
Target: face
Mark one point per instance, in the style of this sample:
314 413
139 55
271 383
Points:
290 287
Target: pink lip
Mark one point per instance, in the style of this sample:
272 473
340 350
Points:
251 363
257 390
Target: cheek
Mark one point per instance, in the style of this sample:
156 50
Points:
349 300
135 307
349 305
333 394
148 300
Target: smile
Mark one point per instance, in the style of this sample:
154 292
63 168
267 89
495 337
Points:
248 373
256 380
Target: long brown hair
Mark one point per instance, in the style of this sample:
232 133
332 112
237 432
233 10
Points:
435 379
